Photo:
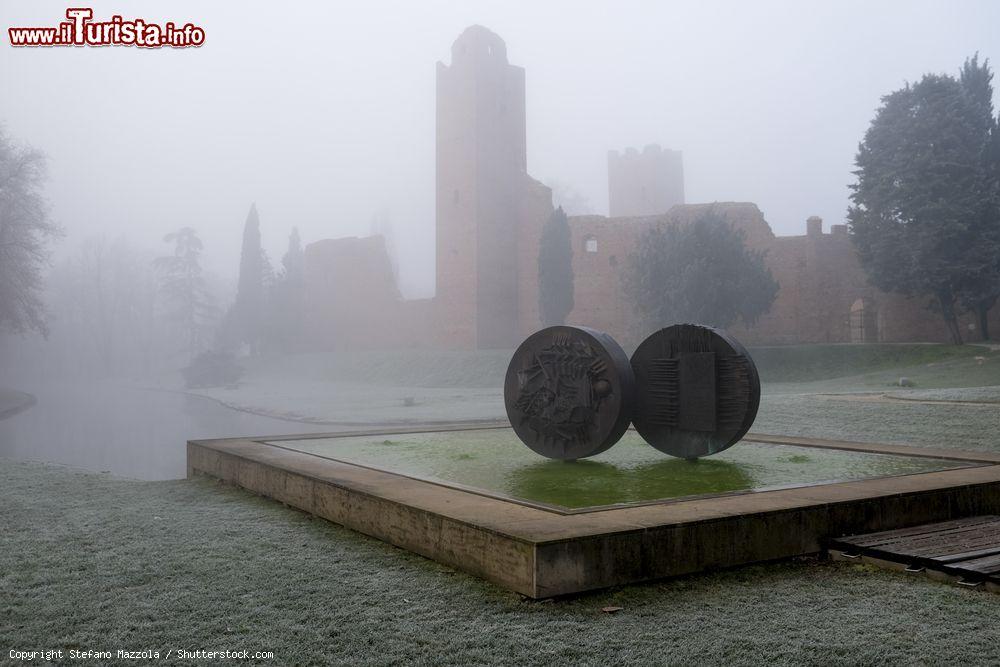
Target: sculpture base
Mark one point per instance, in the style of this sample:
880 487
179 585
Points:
463 497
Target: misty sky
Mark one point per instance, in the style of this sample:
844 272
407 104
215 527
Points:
323 114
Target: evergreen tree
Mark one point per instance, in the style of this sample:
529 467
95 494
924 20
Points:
286 299
555 270
246 315
25 232
701 272
189 303
924 198
293 261
980 292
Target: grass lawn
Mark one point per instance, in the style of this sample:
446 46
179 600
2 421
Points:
486 368
90 561
375 388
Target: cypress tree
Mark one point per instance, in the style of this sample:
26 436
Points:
555 270
248 308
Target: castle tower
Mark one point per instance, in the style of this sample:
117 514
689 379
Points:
481 171
647 183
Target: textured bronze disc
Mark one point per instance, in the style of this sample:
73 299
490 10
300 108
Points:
697 390
569 392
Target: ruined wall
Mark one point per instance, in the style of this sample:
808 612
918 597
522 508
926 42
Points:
601 249
601 252
352 300
489 219
646 183
824 295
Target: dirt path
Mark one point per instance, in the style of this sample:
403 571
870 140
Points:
13 402
885 398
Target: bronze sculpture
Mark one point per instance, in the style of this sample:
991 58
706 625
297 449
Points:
569 392
689 390
697 390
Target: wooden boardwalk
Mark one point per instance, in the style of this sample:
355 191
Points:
964 549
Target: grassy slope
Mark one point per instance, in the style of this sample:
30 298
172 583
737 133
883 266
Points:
805 363
945 425
486 368
94 562
467 385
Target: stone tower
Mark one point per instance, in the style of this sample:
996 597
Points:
646 183
481 181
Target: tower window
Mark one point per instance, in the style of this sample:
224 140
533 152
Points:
454 197
590 244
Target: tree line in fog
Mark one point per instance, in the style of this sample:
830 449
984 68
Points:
924 217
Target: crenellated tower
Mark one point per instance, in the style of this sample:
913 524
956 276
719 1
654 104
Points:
646 183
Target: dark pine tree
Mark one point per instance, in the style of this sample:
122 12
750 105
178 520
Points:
246 316
980 292
700 273
922 203
555 270
293 261
286 302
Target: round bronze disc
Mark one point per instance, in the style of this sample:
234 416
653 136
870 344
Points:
697 390
569 392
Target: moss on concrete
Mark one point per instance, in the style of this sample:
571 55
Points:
632 471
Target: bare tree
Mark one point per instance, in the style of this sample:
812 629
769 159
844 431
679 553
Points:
25 233
188 301
104 299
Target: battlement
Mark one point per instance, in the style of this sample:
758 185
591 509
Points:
814 229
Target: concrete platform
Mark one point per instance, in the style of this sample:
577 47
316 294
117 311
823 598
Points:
545 551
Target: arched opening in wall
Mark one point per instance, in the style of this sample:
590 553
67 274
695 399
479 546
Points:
590 244
864 321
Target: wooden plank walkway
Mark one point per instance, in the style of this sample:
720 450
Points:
968 549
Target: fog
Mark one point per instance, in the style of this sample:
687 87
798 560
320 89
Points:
324 114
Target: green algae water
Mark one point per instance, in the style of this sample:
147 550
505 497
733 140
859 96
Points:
495 461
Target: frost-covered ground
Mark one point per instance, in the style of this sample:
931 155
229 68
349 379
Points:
960 394
403 388
89 561
93 561
339 402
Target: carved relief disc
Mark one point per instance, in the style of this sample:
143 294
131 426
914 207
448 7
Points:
569 392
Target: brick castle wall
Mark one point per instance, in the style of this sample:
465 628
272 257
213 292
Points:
489 219
646 183
820 282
